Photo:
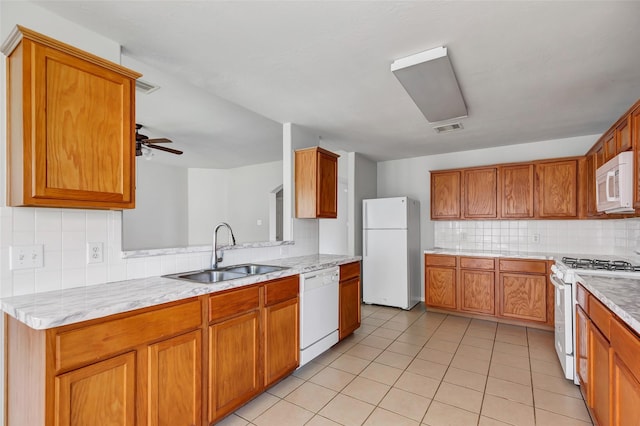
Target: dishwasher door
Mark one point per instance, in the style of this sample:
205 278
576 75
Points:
318 312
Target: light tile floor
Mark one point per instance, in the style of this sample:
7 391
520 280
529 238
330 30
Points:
424 368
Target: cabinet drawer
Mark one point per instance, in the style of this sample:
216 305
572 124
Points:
282 289
582 297
91 343
349 271
439 260
233 303
600 315
531 266
626 345
477 262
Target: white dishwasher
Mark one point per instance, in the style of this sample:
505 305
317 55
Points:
318 312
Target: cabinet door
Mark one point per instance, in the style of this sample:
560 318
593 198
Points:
623 135
349 306
480 193
440 288
516 189
175 383
83 125
598 375
635 141
327 206
625 375
609 142
477 291
99 394
281 344
557 189
523 296
590 165
234 363
582 354
445 195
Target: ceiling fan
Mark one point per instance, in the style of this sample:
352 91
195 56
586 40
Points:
143 140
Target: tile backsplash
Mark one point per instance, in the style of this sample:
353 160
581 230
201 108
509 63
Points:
615 236
64 233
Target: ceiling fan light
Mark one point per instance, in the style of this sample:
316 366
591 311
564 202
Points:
146 153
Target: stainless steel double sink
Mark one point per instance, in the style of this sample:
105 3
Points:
212 276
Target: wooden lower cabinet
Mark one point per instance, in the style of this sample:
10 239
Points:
175 381
477 291
441 287
103 393
625 375
234 374
582 350
523 296
137 368
598 375
349 299
281 345
508 290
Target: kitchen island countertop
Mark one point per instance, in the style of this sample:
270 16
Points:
62 307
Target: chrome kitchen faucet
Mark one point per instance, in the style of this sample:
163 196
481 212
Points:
214 254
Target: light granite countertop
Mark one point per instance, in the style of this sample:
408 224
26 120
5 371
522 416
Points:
621 295
490 253
56 308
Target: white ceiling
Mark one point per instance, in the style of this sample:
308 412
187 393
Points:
528 70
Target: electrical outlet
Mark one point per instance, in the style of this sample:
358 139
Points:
534 238
27 257
95 252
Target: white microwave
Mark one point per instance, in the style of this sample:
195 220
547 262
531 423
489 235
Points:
614 184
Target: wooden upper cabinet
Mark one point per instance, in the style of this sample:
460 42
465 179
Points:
71 126
557 189
480 193
635 141
623 135
316 183
599 151
445 195
516 189
590 189
609 142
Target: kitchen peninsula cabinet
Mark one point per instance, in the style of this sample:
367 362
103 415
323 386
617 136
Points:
71 126
479 193
253 342
557 189
349 299
281 329
503 289
440 281
625 375
516 189
316 183
234 350
64 375
445 195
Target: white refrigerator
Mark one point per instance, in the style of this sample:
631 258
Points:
391 252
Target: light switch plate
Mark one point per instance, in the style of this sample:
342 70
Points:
27 257
95 252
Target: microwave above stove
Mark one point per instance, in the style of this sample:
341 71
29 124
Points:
614 184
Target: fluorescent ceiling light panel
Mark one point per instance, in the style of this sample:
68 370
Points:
429 79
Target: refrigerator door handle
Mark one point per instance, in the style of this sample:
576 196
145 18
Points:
366 240
366 217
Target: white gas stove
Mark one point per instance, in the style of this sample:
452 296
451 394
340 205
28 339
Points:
564 276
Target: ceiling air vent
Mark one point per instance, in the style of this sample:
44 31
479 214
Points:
146 87
447 127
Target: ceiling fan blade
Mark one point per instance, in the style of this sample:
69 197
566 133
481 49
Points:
158 140
162 148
